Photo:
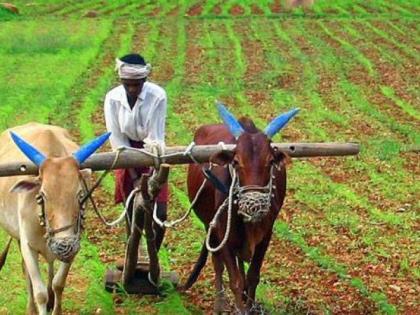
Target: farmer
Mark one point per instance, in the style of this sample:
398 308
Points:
135 113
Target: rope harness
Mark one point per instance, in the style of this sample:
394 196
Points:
65 248
253 202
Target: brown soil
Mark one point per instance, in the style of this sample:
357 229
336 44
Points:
412 162
54 8
164 69
390 75
254 55
404 38
359 75
195 10
82 9
359 127
217 10
276 7
256 10
141 7
155 11
236 10
300 278
368 8
195 54
174 11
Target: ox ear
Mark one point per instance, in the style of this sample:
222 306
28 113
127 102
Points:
222 158
89 148
26 185
279 122
281 158
230 121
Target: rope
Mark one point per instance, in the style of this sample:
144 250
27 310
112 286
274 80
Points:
122 215
98 182
157 161
213 222
162 157
101 178
171 224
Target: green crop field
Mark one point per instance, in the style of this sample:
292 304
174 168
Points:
347 240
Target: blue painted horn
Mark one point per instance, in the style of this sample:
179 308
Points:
31 152
279 122
89 148
230 121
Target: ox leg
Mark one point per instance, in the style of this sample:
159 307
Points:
221 304
30 306
40 292
253 275
50 303
236 282
58 286
242 271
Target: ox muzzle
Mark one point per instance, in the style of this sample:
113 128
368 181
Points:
64 248
254 202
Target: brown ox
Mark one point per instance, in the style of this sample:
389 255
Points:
44 213
257 199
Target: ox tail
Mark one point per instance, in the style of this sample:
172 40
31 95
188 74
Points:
199 264
3 255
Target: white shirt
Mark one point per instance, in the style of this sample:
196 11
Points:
144 122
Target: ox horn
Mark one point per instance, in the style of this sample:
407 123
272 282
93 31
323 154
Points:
230 121
31 152
279 122
89 148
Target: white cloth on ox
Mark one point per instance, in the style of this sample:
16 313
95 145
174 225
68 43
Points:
132 71
144 122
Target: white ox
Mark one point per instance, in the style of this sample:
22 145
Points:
44 213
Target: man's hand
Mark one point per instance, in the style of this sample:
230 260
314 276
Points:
155 147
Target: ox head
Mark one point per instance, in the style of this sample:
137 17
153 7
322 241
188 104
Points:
253 159
60 188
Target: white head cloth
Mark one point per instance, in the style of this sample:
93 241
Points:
132 71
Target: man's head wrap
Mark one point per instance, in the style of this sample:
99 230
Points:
132 67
